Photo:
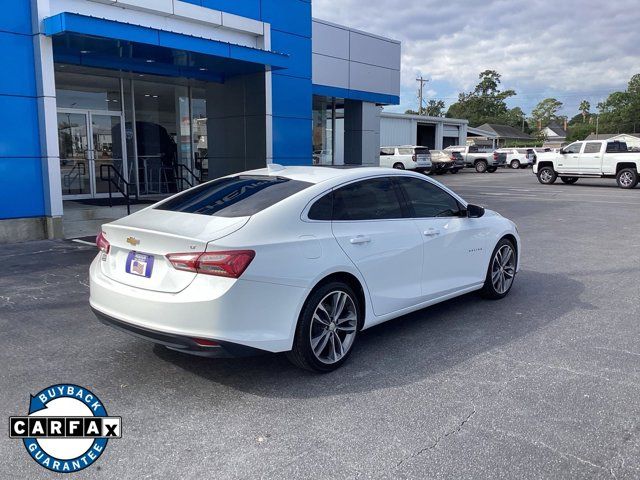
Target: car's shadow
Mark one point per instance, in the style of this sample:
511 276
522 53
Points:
406 350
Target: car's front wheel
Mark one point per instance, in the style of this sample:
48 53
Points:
547 176
398 166
327 328
501 272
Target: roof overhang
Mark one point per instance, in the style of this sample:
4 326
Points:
96 42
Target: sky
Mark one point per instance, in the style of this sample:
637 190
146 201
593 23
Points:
572 50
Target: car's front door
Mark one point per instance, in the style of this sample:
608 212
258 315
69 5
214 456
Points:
569 160
369 224
456 248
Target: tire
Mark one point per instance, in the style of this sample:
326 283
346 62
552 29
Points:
316 322
501 271
398 166
627 178
547 176
454 170
569 180
492 169
481 166
515 164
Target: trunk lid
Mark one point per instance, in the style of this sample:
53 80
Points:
140 243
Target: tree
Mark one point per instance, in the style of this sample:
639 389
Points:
435 108
585 106
410 112
486 103
546 111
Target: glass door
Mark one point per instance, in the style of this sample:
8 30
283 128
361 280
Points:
73 140
89 142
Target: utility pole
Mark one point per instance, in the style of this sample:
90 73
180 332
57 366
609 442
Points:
422 82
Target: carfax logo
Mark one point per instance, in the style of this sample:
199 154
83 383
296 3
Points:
67 428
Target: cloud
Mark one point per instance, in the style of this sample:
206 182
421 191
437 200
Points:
571 49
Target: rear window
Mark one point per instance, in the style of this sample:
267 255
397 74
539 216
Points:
422 151
240 196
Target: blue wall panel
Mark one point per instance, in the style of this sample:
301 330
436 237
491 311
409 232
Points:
291 140
16 16
19 127
292 16
21 193
16 58
299 49
291 97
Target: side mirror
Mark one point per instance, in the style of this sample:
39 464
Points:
562 152
474 211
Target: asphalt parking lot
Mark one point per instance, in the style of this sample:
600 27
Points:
544 384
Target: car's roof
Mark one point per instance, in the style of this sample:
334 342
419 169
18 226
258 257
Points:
321 174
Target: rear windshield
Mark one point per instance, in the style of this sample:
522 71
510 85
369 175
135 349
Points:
240 196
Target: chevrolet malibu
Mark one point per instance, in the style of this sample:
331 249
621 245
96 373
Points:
297 260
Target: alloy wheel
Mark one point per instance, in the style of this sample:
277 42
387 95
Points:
626 179
503 269
333 327
546 176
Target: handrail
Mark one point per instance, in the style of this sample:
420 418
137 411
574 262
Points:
180 167
81 171
111 181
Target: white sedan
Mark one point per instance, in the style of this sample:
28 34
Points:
297 260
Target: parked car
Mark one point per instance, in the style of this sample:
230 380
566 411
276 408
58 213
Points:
518 157
480 159
297 260
408 157
444 162
590 159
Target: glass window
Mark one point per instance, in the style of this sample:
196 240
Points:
85 91
405 151
592 147
387 152
574 148
240 196
323 127
428 200
322 209
374 199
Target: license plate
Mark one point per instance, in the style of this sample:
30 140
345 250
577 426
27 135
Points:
139 264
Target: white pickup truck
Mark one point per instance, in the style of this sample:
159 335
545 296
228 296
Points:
591 159
482 160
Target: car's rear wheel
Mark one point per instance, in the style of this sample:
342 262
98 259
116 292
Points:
327 328
569 180
515 164
481 166
501 272
454 170
398 166
627 178
547 176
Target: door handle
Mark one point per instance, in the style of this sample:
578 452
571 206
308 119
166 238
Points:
432 232
360 240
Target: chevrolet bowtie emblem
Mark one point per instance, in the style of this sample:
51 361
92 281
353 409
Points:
133 241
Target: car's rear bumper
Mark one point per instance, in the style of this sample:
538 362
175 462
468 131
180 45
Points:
179 342
259 315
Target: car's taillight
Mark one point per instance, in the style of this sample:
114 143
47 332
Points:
102 243
414 158
230 264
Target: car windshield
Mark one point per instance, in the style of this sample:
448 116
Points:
239 196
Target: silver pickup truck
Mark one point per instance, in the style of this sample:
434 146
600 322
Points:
591 159
482 160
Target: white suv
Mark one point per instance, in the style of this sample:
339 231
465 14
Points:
409 157
517 157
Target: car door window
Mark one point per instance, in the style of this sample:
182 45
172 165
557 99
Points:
387 151
373 199
573 148
427 200
592 147
405 151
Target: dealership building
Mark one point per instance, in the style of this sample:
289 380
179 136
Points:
151 96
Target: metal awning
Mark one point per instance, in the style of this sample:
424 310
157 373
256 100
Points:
85 40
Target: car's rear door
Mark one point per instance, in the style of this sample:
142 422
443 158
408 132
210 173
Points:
370 226
591 158
455 247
